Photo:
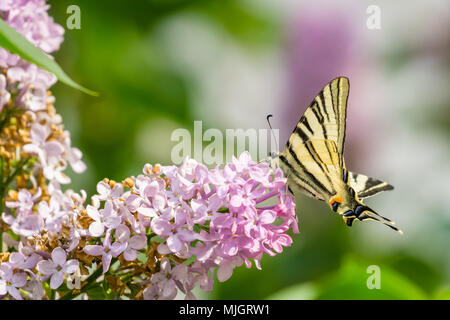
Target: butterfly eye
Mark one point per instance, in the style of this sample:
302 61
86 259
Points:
335 201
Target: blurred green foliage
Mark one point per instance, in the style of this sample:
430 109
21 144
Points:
117 53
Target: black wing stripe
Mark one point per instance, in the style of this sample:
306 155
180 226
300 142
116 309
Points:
301 133
370 183
322 104
328 108
345 175
320 120
338 112
333 102
301 182
383 186
304 121
366 186
313 179
319 161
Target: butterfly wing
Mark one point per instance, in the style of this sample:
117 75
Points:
312 158
313 167
365 186
326 115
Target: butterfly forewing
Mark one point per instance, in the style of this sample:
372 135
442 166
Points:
313 154
325 117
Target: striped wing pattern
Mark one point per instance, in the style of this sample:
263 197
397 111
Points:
312 157
326 115
365 186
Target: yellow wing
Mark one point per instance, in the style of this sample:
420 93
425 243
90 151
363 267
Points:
326 115
312 158
314 167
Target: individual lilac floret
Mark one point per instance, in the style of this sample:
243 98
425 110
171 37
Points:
129 246
107 250
104 218
11 281
57 267
168 278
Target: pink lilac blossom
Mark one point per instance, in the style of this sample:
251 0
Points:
11 281
29 85
199 220
244 231
107 251
168 278
129 246
186 207
30 18
57 267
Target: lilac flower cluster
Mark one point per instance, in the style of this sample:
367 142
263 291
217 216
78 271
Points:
28 86
197 219
153 236
215 215
35 222
30 18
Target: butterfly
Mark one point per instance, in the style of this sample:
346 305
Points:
313 160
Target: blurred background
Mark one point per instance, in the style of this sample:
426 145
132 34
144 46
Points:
161 64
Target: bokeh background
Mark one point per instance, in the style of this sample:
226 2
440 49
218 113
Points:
161 64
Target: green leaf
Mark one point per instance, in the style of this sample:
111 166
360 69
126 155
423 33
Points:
15 43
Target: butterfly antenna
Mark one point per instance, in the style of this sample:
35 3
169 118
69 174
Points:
271 130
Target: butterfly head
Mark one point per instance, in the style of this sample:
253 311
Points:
350 208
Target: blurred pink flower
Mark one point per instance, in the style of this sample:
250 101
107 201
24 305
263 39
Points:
320 45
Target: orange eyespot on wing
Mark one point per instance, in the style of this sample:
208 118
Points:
335 201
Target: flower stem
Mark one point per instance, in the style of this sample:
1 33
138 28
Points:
266 196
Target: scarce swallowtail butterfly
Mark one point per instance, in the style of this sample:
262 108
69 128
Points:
313 160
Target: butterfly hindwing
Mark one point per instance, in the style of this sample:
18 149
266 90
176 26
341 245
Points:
365 186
